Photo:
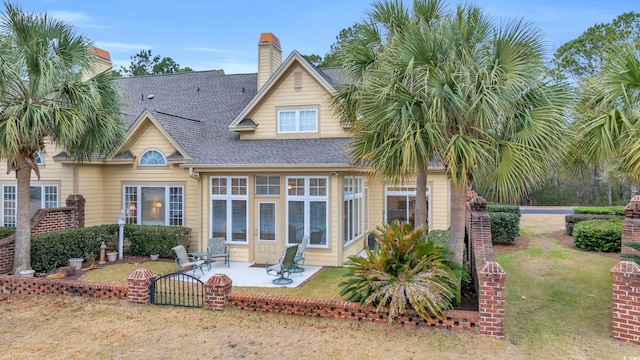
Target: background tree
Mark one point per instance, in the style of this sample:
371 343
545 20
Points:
456 88
43 98
144 63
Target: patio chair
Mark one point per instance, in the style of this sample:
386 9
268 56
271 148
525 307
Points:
183 260
217 248
284 267
300 257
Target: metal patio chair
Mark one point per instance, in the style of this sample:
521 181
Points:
217 248
183 260
300 257
284 267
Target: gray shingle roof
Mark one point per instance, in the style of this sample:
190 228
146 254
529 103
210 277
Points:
196 108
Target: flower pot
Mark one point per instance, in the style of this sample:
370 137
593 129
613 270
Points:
112 256
155 257
76 263
27 273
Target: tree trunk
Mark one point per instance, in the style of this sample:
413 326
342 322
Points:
610 193
421 197
456 230
596 186
22 258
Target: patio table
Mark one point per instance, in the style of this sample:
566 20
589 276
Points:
203 255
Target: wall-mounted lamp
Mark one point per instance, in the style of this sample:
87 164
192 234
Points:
334 173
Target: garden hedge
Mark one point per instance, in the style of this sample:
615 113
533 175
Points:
505 223
6 231
52 250
599 210
598 235
570 221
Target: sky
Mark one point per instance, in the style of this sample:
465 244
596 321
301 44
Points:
223 34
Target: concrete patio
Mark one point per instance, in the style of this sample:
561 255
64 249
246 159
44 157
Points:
243 274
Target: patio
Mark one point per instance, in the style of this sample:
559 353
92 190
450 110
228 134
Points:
244 274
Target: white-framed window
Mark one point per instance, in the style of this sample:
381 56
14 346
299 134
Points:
229 199
307 209
352 216
267 185
400 203
267 221
38 157
152 158
297 121
43 196
154 204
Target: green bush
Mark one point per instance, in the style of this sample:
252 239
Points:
440 238
52 250
145 240
404 269
599 210
497 208
570 221
6 231
505 227
598 235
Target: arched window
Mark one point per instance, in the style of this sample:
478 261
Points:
153 157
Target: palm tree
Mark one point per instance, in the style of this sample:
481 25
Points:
43 98
467 92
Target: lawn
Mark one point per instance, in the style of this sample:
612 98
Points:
558 306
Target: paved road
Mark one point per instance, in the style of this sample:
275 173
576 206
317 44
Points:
548 211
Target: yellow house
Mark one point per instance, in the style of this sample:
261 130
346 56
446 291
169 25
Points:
259 159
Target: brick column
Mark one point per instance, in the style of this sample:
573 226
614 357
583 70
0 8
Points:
139 282
216 291
631 226
77 202
491 299
626 301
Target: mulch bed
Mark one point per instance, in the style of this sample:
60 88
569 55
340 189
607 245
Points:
75 275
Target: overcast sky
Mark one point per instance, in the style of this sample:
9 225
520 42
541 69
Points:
219 34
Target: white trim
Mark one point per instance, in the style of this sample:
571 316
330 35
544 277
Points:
164 158
43 198
406 190
307 198
297 121
137 217
229 197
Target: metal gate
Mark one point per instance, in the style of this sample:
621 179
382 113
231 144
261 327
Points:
177 289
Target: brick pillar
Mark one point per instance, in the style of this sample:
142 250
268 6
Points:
216 291
77 202
626 301
139 282
491 299
7 253
631 226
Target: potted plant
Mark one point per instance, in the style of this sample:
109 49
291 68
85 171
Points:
112 255
76 263
154 250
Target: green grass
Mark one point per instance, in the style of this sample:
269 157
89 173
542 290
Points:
558 300
323 286
118 273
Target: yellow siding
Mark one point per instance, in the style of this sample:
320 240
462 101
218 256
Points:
150 137
284 95
91 186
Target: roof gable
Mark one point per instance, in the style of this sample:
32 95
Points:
240 123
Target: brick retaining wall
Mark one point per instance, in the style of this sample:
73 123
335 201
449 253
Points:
39 286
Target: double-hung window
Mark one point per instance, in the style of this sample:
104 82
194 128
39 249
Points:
307 209
297 121
40 197
229 204
352 208
154 205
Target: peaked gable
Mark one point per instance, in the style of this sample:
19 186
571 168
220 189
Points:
295 59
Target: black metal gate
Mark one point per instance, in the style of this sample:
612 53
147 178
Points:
177 289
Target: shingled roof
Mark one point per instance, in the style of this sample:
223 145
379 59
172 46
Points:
196 108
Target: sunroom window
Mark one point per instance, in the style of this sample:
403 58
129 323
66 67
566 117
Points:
307 209
40 197
229 202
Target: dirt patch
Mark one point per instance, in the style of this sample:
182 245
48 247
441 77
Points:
567 241
520 243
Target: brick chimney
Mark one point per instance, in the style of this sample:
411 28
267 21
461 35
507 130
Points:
269 57
102 62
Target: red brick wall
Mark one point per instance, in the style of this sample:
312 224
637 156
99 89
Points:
626 301
488 275
335 309
37 286
44 221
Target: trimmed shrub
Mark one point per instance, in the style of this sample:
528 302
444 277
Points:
570 221
599 210
145 240
598 235
6 232
512 209
52 250
505 227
